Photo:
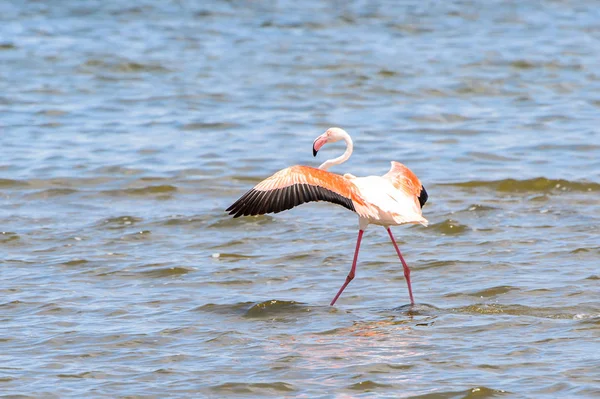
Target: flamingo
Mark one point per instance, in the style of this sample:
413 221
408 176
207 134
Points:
392 199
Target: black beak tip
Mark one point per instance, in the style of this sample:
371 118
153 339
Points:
314 152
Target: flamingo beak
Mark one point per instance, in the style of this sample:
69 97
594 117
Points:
319 142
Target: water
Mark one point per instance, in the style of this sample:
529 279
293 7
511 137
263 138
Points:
126 131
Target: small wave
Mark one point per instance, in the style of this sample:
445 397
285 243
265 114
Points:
225 255
480 208
166 272
274 308
253 388
209 126
418 309
12 183
228 221
151 270
487 292
75 262
52 192
480 87
14 304
589 320
122 66
438 263
85 374
449 227
192 221
585 250
473 393
52 308
527 64
138 235
246 179
489 157
148 190
410 28
119 222
227 308
232 282
539 184
440 118
519 310
8 237
118 170
292 25
387 73
368 386
52 112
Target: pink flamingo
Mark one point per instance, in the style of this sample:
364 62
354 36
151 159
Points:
389 200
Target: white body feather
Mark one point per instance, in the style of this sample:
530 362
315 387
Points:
393 207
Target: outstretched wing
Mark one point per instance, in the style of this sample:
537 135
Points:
294 186
405 180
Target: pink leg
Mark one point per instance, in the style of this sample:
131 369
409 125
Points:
351 274
405 266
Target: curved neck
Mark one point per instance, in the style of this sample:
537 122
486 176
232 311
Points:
342 158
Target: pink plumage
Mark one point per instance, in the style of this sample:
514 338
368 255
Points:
389 200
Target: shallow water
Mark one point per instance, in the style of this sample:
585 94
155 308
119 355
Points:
127 130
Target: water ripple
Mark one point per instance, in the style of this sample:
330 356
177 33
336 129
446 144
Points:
540 184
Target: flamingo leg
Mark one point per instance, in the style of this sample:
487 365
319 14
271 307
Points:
351 274
404 265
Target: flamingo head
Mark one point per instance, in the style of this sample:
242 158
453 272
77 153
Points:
332 135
